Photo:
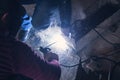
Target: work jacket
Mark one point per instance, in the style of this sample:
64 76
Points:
17 58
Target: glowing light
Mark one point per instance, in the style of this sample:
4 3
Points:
60 42
55 35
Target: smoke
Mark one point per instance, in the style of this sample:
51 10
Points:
54 36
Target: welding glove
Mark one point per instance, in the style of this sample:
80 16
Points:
25 28
51 56
22 35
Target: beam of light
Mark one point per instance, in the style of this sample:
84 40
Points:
53 34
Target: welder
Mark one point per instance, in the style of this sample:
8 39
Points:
17 60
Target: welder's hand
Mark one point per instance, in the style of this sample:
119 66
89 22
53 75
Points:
51 56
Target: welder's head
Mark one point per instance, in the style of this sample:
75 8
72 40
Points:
11 13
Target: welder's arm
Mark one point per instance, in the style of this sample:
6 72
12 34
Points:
30 65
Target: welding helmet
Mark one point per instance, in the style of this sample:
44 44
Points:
14 18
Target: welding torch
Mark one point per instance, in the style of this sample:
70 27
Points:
46 49
48 55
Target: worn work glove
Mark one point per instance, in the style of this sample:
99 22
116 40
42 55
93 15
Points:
22 35
51 56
